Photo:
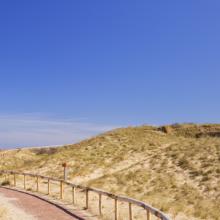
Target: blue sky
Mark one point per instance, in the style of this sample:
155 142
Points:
89 66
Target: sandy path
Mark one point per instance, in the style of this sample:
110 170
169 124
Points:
9 211
19 206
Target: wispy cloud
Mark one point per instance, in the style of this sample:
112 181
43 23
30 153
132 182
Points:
40 130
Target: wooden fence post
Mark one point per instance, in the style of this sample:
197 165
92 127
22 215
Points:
73 194
130 211
100 204
37 184
148 214
61 189
116 209
14 179
24 181
87 198
48 187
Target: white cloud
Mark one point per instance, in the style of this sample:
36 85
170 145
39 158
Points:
38 130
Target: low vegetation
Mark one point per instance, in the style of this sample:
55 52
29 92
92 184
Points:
5 183
175 168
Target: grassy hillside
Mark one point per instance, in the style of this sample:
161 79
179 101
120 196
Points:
175 168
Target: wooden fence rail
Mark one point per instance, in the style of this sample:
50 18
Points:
150 211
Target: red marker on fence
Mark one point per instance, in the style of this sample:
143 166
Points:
64 165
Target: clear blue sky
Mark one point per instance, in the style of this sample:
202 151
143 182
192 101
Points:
107 63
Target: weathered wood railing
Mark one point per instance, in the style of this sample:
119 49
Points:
150 211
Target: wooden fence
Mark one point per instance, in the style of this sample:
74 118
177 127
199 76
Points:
150 211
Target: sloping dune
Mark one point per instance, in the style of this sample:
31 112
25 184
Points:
175 168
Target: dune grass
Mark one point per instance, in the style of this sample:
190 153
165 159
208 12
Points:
174 168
